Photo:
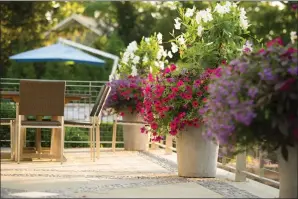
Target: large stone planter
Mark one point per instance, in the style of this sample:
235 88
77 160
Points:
134 140
288 187
196 156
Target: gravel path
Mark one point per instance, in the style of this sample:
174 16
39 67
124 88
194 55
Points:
130 181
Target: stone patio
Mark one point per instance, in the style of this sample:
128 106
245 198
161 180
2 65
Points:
121 174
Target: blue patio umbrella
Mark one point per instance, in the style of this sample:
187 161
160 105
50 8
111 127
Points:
57 52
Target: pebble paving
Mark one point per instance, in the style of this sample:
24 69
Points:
130 181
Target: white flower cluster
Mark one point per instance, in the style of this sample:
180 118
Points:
190 12
159 38
129 55
293 35
129 52
134 71
133 60
162 54
204 15
243 19
174 47
223 9
177 23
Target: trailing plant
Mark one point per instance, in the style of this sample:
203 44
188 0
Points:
125 94
255 100
172 100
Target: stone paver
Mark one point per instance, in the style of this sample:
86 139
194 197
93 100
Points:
120 174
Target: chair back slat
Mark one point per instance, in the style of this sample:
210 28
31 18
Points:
44 98
95 106
102 100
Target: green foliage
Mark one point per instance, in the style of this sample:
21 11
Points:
23 25
7 109
209 37
282 19
147 57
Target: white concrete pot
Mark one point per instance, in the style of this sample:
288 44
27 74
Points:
134 140
196 156
288 187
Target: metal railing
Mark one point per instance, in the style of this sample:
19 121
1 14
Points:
75 110
240 169
79 110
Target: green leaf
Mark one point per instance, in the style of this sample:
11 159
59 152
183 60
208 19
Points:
283 126
261 100
279 85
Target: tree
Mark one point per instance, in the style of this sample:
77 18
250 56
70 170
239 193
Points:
22 28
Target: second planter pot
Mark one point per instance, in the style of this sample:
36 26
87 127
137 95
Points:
134 140
288 173
196 156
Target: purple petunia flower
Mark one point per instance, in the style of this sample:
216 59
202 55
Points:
267 74
252 92
293 70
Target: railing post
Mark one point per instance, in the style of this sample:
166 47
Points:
90 98
261 164
169 143
240 166
153 146
114 134
224 158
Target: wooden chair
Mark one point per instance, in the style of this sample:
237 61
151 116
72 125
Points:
94 121
11 123
41 98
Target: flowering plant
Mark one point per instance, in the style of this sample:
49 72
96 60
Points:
211 36
125 94
172 100
148 56
255 100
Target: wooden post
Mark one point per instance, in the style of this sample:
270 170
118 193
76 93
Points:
97 126
55 142
261 164
16 132
12 138
114 134
169 144
91 142
91 135
240 166
153 145
38 137
224 152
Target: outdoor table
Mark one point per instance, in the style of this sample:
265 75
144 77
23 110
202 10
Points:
55 138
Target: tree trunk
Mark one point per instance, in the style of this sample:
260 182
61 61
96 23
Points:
288 187
134 140
197 156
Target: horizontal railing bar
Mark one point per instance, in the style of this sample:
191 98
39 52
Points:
262 179
55 80
233 169
102 142
271 170
67 85
87 86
